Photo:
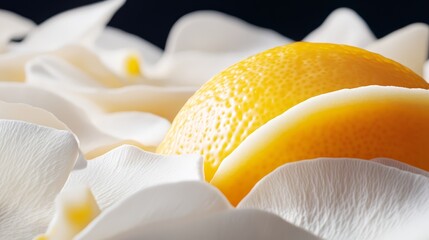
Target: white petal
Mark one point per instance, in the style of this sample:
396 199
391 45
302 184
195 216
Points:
203 43
415 230
145 128
343 198
12 25
159 203
401 166
426 71
13 65
343 26
191 68
75 209
94 141
210 31
27 113
56 69
35 162
408 46
114 39
80 25
235 224
119 61
89 63
55 74
126 169
162 101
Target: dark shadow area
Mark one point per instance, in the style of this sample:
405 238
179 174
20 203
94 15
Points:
152 20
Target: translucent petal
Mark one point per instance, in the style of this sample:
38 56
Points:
168 202
408 46
126 170
114 39
34 164
79 25
12 25
343 198
343 26
235 224
211 31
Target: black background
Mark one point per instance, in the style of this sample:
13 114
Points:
153 19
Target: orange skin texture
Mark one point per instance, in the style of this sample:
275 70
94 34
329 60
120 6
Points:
245 96
392 126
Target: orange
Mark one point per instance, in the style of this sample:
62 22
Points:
365 123
245 96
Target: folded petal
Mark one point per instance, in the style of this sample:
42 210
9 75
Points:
27 113
408 46
80 25
14 65
400 165
343 26
12 25
91 138
145 128
168 202
191 68
126 170
30 114
114 39
76 207
246 224
57 75
211 31
426 70
34 164
203 43
87 62
343 198
126 63
162 101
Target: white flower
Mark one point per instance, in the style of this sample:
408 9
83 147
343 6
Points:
187 210
36 162
90 95
347 198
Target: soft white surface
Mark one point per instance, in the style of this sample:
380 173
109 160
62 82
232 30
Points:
116 39
127 169
79 25
142 127
343 26
187 210
408 46
203 43
56 75
68 202
176 201
95 131
344 198
211 31
30 114
34 162
401 166
248 224
12 25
